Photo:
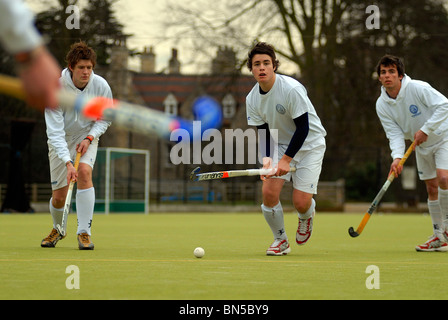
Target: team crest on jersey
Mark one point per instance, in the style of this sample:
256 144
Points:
414 110
280 109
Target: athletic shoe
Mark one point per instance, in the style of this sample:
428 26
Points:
51 240
445 235
84 242
304 229
278 248
434 244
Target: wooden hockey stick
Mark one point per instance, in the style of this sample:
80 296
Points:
379 196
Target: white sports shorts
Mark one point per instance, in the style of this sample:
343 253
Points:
58 170
309 166
431 158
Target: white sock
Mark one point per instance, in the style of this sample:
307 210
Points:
308 214
56 214
436 216
85 202
274 218
443 200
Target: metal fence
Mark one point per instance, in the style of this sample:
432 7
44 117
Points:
331 195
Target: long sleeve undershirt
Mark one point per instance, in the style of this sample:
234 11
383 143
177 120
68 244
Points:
297 140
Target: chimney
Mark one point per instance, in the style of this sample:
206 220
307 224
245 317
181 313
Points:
148 61
174 64
225 61
119 55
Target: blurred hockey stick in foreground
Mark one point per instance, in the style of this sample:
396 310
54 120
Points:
126 115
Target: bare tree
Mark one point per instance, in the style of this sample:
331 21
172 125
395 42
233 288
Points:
328 43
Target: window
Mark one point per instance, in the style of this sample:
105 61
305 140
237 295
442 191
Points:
170 104
228 106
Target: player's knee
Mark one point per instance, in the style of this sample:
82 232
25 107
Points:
84 175
302 205
270 198
443 182
58 201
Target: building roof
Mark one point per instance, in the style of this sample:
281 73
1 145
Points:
154 88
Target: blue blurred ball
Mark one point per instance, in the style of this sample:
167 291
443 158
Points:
206 110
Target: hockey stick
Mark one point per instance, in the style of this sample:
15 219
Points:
379 196
62 228
195 176
126 115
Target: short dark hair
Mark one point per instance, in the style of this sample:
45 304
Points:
262 48
390 60
80 51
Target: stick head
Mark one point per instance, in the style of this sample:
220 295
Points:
95 107
352 232
208 111
207 114
193 176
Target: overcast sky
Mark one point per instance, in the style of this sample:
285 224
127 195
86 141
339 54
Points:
142 18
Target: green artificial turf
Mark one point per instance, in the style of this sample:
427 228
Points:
151 257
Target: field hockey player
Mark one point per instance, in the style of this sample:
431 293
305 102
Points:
413 110
278 102
68 133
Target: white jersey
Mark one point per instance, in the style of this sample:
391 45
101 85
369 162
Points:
17 31
286 101
418 106
63 124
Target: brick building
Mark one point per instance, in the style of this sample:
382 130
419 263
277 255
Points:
173 93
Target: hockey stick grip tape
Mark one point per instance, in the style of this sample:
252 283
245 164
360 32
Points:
265 172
